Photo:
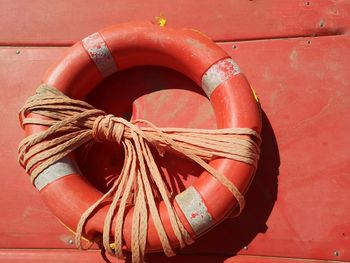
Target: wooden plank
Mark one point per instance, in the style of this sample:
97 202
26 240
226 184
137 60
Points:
41 22
51 256
93 256
298 204
26 222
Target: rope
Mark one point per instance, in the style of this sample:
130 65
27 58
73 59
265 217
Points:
73 123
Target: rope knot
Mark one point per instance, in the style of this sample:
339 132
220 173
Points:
108 128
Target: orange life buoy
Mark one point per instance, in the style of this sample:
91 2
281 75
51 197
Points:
119 47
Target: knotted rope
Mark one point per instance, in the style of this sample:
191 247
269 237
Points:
73 123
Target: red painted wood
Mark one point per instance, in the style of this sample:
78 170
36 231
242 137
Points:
40 22
304 89
93 256
51 256
26 222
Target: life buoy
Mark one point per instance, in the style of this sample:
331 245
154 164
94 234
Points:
123 46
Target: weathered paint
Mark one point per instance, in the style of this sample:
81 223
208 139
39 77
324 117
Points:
218 73
59 169
100 54
28 22
194 209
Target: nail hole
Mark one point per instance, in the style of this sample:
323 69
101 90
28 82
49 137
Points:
234 46
18 52
321 23
308 42
307 3
336 253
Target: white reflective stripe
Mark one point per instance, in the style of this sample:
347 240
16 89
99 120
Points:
100 54
59 169
194 209
218 73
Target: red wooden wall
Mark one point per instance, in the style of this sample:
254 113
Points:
295 54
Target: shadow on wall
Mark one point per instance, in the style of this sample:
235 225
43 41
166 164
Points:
234 234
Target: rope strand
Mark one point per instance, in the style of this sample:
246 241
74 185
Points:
73 123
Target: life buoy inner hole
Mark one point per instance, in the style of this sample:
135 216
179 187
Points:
161 95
